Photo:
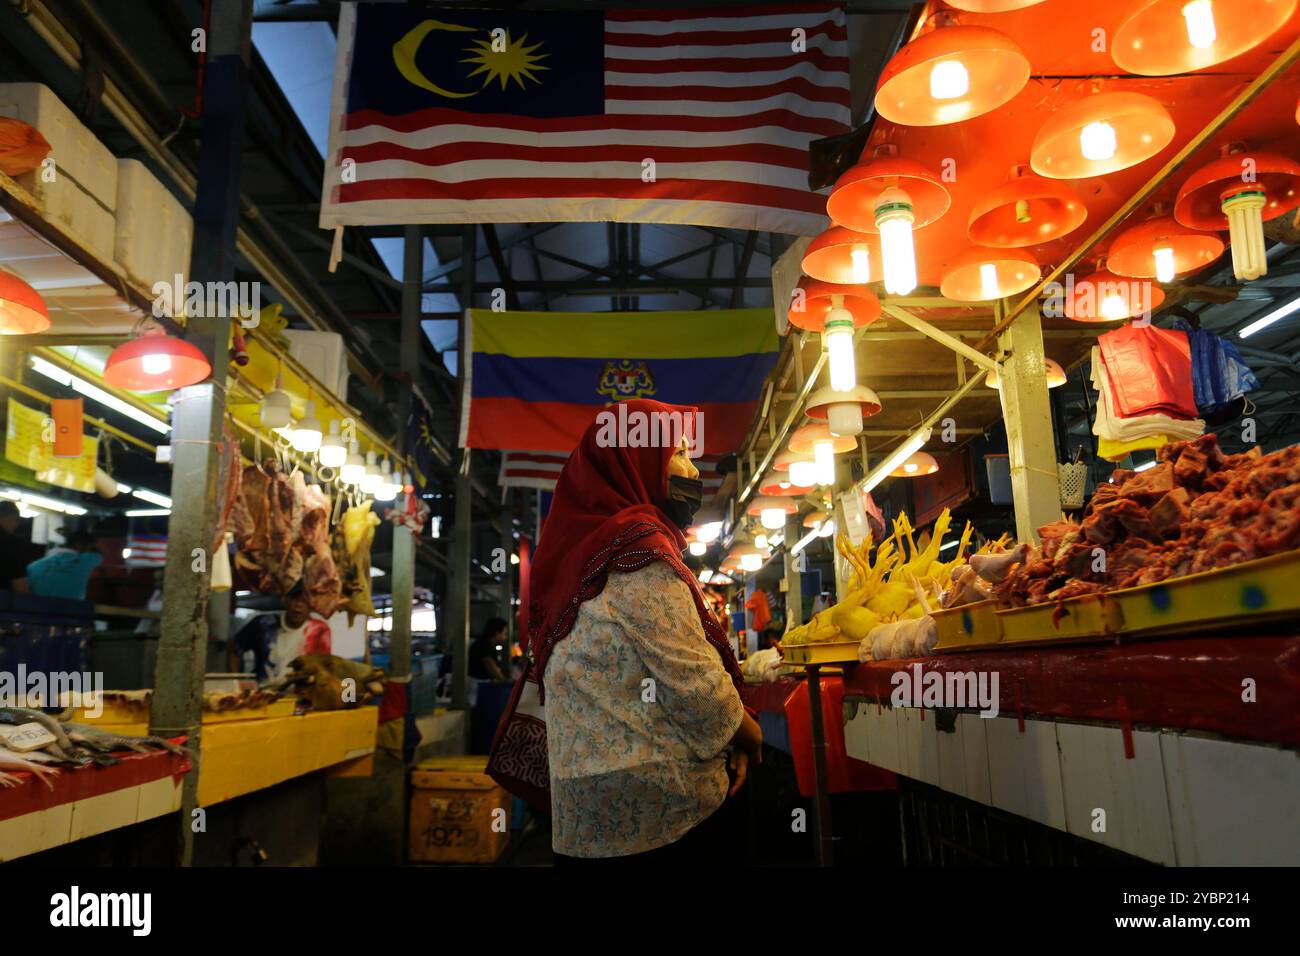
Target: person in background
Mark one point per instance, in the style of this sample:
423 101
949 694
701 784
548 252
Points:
65 571
484 662
274 640
770 636
646 734
16 551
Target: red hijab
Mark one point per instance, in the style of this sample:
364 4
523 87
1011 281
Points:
607 515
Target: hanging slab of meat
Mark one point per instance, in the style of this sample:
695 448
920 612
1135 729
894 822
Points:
320 575
280 563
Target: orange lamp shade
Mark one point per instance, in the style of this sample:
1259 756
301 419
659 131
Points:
852 202
154 362
820 401
1024 211
1106 297
1166 37
784 459
22 310
803 439
1199 200
991 6
982 275
809 309
779 486
763 502
1101 134
1133 253
951 74
843 256
1055 375
918 465
814 518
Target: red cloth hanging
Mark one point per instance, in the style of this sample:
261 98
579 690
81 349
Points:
762 610
1150 371
843 773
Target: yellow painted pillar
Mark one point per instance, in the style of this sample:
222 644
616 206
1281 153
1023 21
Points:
1031 442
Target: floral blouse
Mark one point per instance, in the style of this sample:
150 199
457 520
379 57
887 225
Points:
638 712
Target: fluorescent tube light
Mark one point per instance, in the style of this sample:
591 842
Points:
95 393
144 494
147 512
1281 312
40 501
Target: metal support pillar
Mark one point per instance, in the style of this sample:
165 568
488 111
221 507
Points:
1031 445
507 596
793 579
843 482
403 579
458 567
198 411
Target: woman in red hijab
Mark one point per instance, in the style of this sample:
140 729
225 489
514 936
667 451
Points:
643 736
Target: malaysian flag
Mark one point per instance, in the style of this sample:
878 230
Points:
695 115
540 469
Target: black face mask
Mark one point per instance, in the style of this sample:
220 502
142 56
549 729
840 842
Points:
684 497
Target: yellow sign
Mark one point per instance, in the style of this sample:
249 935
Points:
29 443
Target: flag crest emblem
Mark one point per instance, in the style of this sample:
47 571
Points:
625 379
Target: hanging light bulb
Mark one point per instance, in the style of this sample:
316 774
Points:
989 281
803 473
760 539
373 477
306 435
708 533
1246 233
894 218
824 455
1097 141
772 519
354 468
1114 307
860 257
1165 270
386 489
333 453
751 561
949 80
274 409
156 363
698 548
1199 15
839 346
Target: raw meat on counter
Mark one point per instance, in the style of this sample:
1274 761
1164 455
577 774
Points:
1196 510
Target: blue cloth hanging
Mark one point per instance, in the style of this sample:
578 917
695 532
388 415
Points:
1219 374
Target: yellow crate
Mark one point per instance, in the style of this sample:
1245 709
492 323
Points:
458 813
1267 589
969 627
117 714
1088 617
838 652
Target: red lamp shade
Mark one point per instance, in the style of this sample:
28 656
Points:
1133 253
843 256
1101 134
1052 369
779 486
1199 201
820 402
804 438
951 74
852 202
815 518
918 465
982 275
1177 36
1106 297
1025 211
155 362
817 302
22 310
